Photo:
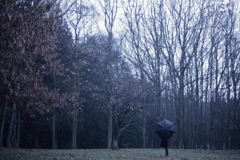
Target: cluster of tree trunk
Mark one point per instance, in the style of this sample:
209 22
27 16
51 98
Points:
93 86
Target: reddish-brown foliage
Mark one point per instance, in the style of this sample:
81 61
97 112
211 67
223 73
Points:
27 51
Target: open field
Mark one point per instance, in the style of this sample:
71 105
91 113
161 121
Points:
122 154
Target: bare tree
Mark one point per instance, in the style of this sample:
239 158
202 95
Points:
80 17
109 10
144 37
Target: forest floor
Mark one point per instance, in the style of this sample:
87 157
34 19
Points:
121 154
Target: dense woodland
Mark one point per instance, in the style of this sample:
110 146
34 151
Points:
78 75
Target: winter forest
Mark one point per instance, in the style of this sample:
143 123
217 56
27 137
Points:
88 74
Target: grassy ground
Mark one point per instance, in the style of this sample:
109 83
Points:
122 154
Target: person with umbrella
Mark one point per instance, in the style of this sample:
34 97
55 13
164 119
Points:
164 144
165 130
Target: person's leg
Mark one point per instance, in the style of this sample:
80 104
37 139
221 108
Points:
166 151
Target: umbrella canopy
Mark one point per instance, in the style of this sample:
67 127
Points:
165 129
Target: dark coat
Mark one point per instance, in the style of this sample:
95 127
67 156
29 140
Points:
164 142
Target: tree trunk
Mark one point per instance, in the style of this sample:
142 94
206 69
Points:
144 131
54 146
13 139
196 101
36 138
10 131
18 128
110 128
74 129
54 130
115 141
2 123
181 111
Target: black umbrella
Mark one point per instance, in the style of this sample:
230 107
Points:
165 129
